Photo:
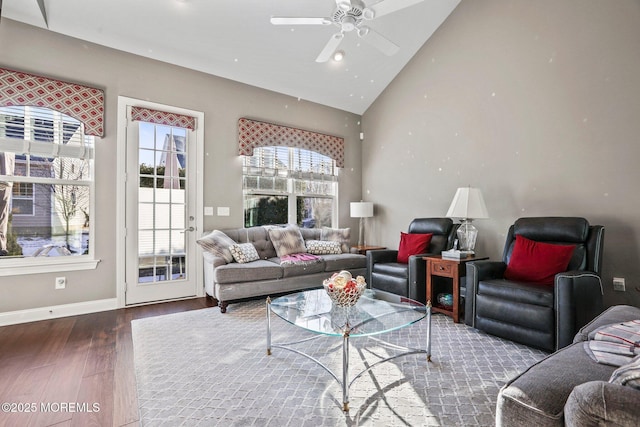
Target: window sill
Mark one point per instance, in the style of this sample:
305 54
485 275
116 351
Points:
46 265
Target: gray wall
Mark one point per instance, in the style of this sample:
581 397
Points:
535 102
29 49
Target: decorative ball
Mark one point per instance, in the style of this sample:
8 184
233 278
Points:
343 289
445 300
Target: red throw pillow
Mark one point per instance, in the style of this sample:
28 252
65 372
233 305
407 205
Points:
537 262
412 244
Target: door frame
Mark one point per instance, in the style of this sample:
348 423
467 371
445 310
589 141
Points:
121 177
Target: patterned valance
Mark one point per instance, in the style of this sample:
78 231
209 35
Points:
83 103
252 134
162 118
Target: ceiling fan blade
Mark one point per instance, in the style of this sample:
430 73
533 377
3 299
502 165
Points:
378 41
44 12
330 47
388 6
282 20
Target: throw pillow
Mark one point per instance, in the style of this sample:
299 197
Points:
537 262
287 240
244 252
628 374
217 243
342 235
323 247
412 244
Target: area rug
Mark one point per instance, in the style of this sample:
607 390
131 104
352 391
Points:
205 368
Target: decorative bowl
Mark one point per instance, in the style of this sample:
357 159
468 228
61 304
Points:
343 289
445 300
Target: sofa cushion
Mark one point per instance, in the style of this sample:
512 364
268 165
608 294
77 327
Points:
287 240
249 272
395 269
412 244
244 252
508 291
300 269
344 262
259 236
218 244
342 235
537 262
537 396
323 247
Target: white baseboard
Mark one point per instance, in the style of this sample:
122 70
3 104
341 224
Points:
54 312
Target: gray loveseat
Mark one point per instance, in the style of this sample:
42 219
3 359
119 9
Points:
570 388
227 280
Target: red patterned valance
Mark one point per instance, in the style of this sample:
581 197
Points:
83 103
162 118
252 134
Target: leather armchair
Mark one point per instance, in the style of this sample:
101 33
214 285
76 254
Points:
545 317
385 273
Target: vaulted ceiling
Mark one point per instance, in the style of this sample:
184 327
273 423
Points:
235 39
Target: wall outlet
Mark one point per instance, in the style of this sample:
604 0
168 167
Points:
61 282
618 284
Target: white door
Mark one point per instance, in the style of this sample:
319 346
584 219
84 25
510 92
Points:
160 212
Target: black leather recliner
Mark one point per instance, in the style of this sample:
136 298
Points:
385 273
545 317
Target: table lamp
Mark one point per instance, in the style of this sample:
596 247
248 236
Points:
467 205
361 210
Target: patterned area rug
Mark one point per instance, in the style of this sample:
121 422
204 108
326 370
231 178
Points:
204 368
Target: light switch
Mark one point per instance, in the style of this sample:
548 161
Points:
208 210
223 211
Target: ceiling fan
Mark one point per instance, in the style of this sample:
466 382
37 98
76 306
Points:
349 16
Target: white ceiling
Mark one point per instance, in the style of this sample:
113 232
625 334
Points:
235 39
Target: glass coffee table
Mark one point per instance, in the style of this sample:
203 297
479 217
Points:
375 313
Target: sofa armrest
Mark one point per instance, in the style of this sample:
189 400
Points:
417 273
379 255
216 261
477 271
578 300
598 403
613 314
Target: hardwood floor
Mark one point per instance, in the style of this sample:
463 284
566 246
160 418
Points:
75 371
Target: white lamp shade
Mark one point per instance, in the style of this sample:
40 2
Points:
361 209
468 204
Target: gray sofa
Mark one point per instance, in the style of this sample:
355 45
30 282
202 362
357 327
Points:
570 388
229 281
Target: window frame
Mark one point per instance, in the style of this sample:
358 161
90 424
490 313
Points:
46 264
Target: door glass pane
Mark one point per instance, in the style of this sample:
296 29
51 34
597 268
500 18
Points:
162 203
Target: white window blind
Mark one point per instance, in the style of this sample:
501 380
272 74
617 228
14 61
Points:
42 132
290 162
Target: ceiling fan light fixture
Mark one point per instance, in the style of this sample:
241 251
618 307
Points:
344 5
368 14
338 55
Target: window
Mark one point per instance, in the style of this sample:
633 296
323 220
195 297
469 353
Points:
22 199
289 185
46 178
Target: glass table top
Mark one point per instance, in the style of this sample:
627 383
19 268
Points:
376 312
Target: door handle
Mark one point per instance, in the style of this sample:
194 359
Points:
188 229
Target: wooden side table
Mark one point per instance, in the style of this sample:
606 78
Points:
453 269
362 250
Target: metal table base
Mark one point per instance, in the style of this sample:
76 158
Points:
344 382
